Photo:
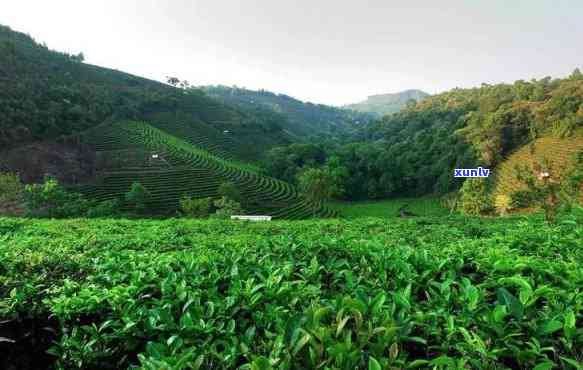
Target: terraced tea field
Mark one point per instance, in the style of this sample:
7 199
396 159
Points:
181 168
429 293
559 152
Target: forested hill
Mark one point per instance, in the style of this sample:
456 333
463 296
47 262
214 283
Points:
301 118
46 94
383 104
468 127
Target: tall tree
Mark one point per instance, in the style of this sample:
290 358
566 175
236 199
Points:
317 185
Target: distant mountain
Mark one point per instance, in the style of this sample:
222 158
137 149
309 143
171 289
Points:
297 117
383 104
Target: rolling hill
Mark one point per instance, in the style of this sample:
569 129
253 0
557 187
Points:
297 117
383 104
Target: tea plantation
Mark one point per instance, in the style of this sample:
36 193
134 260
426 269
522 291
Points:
369 293
183 167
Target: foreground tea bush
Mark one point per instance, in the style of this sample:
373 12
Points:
369 293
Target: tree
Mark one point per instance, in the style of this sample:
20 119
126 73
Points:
138 198
576 75
474 197
317 185
174 81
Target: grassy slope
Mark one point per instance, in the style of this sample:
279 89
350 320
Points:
455 291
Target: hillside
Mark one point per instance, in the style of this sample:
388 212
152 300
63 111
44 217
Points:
558 154
46 94
171 167
383 104
419 147
297 117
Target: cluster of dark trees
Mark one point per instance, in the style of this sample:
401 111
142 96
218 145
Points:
414 152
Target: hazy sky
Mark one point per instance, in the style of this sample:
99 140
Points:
325 51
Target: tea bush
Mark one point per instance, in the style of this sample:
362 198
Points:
440 293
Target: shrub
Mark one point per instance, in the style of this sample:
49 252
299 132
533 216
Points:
138 198
192 207
50 199
227 207
474 197
106 208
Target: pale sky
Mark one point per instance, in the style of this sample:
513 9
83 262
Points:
325 51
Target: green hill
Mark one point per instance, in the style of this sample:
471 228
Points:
46 94
297 117
383 104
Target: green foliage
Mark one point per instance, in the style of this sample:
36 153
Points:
197 208
183 294
225 208
318 185
474 197
11 189
106 208
50 199
138 197
229 190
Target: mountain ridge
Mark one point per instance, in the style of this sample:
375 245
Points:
383 104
